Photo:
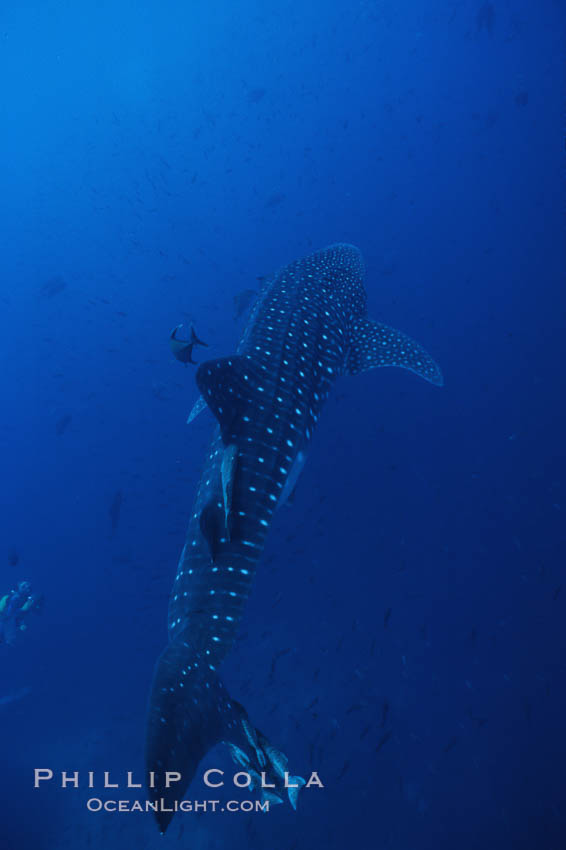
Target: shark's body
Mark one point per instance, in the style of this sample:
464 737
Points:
308 326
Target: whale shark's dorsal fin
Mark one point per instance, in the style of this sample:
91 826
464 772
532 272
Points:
229 385
373 344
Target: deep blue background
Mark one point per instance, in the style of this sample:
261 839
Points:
158 157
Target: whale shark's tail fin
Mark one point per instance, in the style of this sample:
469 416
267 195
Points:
373 344
190 711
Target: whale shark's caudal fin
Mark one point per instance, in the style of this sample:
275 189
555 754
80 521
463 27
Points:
373 344
190 712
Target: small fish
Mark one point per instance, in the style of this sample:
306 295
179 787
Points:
522 98
382 741
276 658
255 95
183 349
52 287
451 743
13 558
275 199
528 711
485 18
159 390
114 510
386 617
384 712
62 424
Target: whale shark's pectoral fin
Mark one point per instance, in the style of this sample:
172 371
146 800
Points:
231 386
197 408
288 492
228 472
373 344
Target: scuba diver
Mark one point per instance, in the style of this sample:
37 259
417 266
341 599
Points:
14 608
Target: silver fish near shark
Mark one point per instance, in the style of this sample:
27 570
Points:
307 327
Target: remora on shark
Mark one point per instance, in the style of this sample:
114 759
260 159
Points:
308 326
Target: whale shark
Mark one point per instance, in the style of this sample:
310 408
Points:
307 327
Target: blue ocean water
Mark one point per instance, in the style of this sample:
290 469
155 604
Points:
405 635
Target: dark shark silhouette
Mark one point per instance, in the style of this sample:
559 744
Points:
308 326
